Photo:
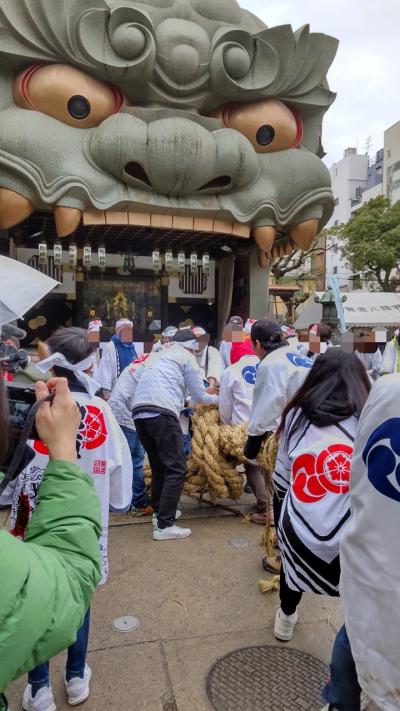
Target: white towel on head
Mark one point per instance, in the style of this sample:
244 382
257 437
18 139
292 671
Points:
77 368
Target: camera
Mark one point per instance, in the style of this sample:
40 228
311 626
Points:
20 401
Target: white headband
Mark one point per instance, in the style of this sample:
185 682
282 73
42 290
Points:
190 345
77 368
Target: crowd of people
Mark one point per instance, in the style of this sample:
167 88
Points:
314 396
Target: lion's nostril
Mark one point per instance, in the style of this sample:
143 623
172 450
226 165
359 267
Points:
135 170
223 181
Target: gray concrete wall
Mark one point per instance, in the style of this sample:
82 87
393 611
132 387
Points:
258 288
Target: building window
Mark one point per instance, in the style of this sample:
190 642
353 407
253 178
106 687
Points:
379 170
388 153
336 201
335 270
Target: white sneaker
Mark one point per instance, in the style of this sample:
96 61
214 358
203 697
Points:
78 689
178 514
168 534
284 625
43 701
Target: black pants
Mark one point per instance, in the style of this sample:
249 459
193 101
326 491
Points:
162 439
290 599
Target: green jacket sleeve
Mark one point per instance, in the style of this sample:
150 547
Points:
46 582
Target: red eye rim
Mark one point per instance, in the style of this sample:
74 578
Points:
24 83
227 108
27 75
300 128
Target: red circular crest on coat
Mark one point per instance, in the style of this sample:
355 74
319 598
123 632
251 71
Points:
329 472
91 435
333 467
94 431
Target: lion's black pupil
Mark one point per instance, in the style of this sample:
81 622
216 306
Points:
78 107
265 135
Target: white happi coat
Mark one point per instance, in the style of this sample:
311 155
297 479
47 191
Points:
103 454
279 376
370 549
390 360
312 474
225 353
236 390
372 362
213 362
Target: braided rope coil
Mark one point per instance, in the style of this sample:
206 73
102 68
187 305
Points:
217 451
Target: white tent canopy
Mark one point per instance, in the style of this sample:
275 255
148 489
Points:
21 287
361 308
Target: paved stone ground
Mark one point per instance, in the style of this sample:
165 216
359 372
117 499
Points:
197 600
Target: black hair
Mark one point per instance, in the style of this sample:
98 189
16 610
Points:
183 335
71 342
268 333
4 422
323 331
336 387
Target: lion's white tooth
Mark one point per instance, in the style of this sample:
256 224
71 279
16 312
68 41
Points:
304 233
14 208
66 219
264 237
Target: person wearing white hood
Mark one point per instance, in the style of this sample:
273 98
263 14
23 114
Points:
370 562
158 389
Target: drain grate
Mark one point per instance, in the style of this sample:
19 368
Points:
267 679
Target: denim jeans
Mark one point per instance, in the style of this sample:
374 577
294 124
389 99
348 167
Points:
139 493
187 444
76 660
343 690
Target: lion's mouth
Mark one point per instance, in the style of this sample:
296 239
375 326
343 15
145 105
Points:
271 241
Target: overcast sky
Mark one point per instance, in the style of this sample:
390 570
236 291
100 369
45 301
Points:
366 72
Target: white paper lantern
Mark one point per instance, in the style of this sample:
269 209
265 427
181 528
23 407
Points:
58 254
206 264
42 249
193 262
87 256
181 262
102 257
156 260
169 261
73 256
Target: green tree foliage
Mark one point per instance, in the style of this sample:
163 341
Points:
371 242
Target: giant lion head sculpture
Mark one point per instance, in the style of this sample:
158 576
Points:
189 109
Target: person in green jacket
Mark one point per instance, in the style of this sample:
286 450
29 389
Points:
47 581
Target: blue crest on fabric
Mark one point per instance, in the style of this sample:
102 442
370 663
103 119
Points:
300 361
382 458
249 374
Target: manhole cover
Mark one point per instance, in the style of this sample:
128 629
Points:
267 679
127 623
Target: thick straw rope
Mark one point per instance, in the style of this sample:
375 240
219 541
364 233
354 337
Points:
217 450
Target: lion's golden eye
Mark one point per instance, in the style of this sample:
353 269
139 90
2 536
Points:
269 125
66 94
